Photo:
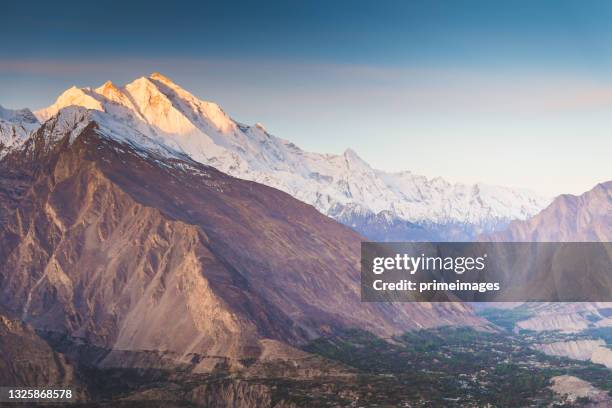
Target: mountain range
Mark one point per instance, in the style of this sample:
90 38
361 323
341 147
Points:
143 229
378 204
116 242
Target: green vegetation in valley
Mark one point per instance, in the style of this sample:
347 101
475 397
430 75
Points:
444 367
457 367
505 318
604 333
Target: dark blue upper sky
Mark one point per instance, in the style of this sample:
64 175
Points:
575 34
462 85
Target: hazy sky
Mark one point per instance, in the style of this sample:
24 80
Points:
515 93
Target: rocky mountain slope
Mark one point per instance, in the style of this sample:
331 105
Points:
378 204
568 218
120 243
26 359
593 350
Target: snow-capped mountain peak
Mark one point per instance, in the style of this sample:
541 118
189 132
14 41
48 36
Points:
73 96
170 116
353 160
110 91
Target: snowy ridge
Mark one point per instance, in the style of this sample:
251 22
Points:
72 120
158 112
15 127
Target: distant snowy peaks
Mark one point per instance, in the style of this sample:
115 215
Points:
17 116
15 127
155 113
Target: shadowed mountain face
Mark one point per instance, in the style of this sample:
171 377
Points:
26 359
572 219
128 250
568 218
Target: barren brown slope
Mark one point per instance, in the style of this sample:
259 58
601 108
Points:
569 218
139 253
27 360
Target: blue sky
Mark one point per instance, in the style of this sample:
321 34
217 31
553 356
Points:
516 93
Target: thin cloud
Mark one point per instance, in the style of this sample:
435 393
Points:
416 89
